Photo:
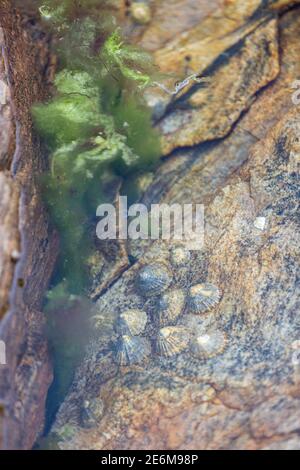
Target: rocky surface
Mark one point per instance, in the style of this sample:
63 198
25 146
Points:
28 244
247 396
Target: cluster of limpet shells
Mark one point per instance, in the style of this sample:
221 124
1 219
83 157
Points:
154 281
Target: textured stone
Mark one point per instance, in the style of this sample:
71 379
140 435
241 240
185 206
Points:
28 243
6 118
211 112
198 114
9 235
170 19
247 396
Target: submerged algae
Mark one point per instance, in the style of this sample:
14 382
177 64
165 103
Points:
97 129
96 122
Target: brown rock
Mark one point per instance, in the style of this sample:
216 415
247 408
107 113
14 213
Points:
28 243
247 397
172 18
211 111
6 118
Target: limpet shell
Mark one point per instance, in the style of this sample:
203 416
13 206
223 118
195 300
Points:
171 340
153 279
203 297
91 412
170 306
141 12
132 350
131 322
208 345
180 256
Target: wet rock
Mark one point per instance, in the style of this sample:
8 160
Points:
279 415
246 396
28 244
6 117
171 19
210 112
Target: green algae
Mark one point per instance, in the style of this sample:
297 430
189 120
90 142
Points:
96 128
96 121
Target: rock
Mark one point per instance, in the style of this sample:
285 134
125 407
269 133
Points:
210 49
6 118
247 396
9 196
28 243
168 21
210 112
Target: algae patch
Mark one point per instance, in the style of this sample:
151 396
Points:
98 131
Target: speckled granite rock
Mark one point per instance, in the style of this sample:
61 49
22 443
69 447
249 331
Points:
248 395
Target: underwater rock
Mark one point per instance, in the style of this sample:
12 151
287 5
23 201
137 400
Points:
210 111
253 387
167 24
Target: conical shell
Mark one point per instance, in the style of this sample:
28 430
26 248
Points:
131 322
203 297
91 412
153 279
208 345
141 11
180 256
170 306
171 340
132 350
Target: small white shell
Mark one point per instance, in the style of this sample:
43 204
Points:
180 256
171 340
203 297
132 350
208 345
141 12
170 306
91 412
131 322
153 279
